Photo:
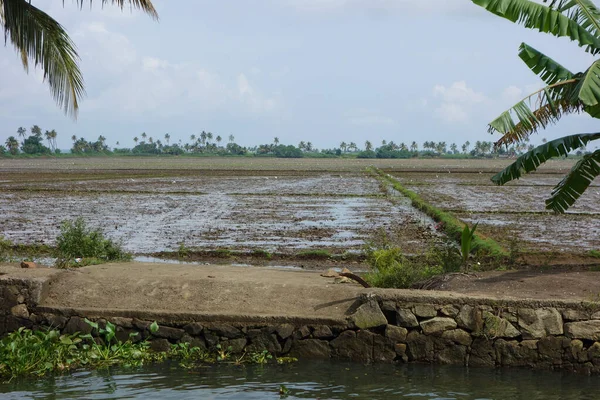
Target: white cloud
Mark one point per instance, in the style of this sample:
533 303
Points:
512 94
456 101
458 92
452 113
367 117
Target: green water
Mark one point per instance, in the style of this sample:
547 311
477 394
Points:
306 380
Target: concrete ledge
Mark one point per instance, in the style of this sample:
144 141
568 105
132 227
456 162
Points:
304 315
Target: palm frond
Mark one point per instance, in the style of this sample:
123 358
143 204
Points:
549 70
584 12
531 160
544 19
39 38
144 5
575 183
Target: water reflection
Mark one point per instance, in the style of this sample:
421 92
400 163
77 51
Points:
306 380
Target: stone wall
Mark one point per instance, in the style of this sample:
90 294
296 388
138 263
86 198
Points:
383 326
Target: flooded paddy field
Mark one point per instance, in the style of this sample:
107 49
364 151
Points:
513 214
283 206
150 210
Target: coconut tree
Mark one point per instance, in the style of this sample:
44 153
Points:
218 140
12 144
135 140
167 138
48 136
38 38
21 132
565 93
368 146
36 131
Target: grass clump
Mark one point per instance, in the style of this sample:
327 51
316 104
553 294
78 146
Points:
390 269
314 255
78 245
261 253
594 253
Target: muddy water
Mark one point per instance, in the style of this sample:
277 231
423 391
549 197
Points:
307 380
276 213
514 213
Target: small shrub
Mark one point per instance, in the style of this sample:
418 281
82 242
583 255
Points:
77 241
445 256
183 251
392 270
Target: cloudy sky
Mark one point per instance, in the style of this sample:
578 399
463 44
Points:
323 71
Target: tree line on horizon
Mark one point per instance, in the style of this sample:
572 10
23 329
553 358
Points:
210 144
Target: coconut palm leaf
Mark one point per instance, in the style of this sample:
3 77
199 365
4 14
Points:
531 160
144 5
543 66
39 38
575 183
546 19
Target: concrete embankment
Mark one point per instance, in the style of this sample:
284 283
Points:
302 314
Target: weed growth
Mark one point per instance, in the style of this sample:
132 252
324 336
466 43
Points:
261 253
78 245
314 255
450 224
27 352
183 251
594 253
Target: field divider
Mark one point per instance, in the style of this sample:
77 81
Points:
450 224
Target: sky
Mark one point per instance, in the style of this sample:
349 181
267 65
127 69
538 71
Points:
323 71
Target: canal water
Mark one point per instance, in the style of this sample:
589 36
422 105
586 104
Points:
306 380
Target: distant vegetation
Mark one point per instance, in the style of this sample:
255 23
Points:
208 144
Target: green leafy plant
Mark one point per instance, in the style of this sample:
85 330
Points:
565 93
445 255
79 245
223 353
261 358
183 251
283 391
390 269
466 242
